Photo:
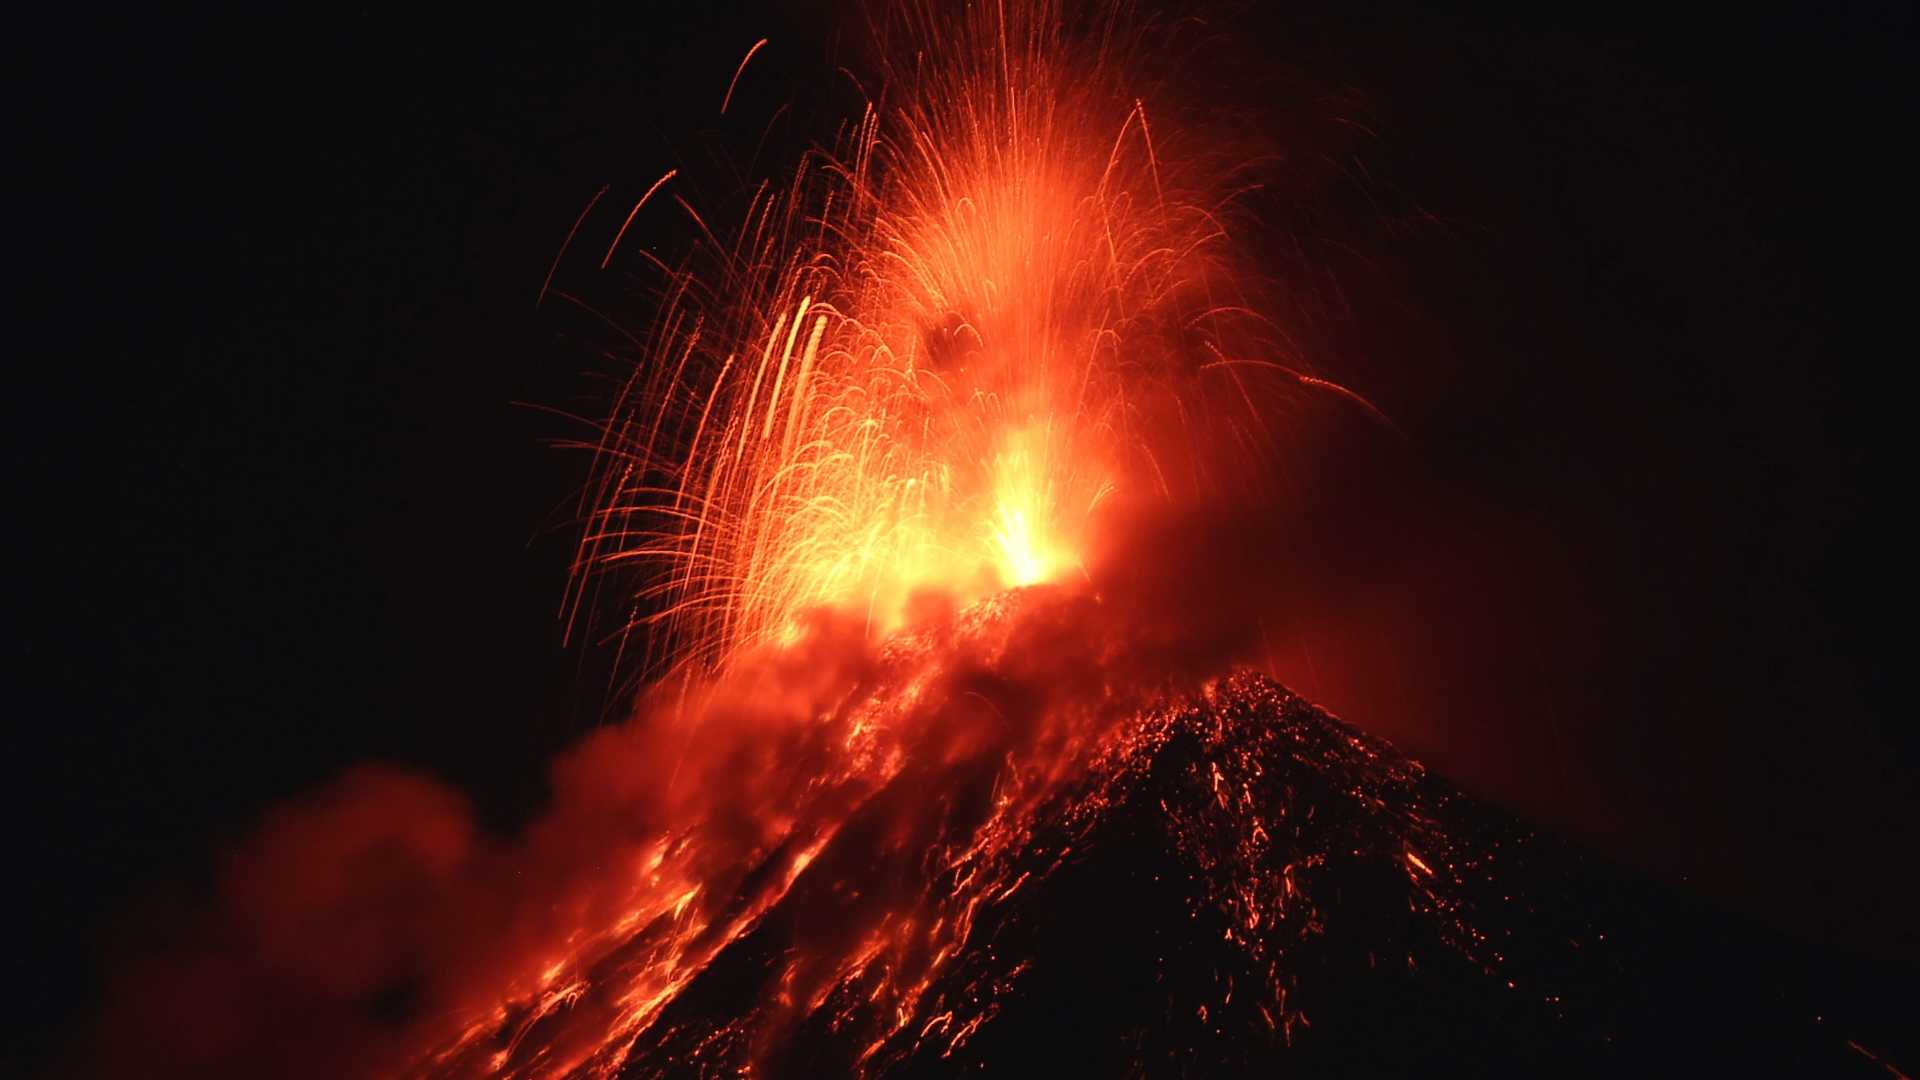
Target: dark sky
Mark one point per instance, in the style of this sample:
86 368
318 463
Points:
281 514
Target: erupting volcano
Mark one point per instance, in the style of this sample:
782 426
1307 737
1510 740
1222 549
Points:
919 519
929 368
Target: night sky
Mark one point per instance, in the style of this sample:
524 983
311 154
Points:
1637 291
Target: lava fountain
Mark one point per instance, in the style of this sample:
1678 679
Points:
913 377
870 510
923 370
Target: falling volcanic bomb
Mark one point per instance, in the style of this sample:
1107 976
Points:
921 512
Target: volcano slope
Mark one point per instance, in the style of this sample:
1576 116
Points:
1233 883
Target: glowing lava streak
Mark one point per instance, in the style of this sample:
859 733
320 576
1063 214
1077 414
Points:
923 361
